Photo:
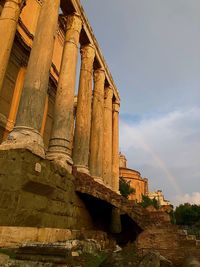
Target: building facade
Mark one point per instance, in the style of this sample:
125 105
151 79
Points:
139 184
159 196
38 72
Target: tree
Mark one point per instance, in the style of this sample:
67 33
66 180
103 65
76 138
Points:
187 214
125 187
146 202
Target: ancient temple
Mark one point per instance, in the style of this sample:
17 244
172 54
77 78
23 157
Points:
59 152
38 74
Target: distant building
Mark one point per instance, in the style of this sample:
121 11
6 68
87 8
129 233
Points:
136 181
159 196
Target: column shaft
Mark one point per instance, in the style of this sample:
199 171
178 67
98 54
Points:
115 162
107 140
30 114
83 115
61 137
45 114
8 25
15 102
96 142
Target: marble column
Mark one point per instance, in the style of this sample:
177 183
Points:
83 114
107 140
8 25
61 137
96 142
115 146
31 108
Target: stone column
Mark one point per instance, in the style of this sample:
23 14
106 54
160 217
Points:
15 102
8 25
83 114
30 114
96 142
44 119
115 153
61 137
107 140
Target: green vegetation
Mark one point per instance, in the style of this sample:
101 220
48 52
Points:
125 187
8 252
187 214
146 202
97 260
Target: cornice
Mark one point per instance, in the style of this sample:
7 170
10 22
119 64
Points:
88 29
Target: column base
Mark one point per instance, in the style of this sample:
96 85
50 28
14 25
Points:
82 169
23 137
98 180
61 159
108 186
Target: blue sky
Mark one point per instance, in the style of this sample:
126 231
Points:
152 48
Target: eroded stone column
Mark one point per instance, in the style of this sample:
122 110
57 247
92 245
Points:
30 114
61 137
96 142
107 140
83 115
115 147
8 25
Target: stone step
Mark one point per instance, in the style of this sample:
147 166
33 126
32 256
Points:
191 237
182 232
198 243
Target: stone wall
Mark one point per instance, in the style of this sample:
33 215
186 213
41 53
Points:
136 181
170 242
36 193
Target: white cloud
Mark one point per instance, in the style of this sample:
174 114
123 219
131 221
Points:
193 198
166 149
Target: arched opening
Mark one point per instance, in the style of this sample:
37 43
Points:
101 215
129 231
99 210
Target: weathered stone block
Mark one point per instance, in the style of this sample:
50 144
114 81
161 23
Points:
31 201
44 198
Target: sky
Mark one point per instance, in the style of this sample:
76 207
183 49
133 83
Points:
152 48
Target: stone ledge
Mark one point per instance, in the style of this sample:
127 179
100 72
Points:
14 237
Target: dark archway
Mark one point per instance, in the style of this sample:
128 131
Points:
100 212
130 231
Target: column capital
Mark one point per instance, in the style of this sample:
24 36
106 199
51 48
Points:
21 3
88 51
109 92
116 106
74 22
99 74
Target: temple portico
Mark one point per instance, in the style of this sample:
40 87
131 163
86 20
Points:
26 133
85 138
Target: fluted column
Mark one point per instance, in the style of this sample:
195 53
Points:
8 25
107 140
30 114
61 137
115 146
83 115
96 142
